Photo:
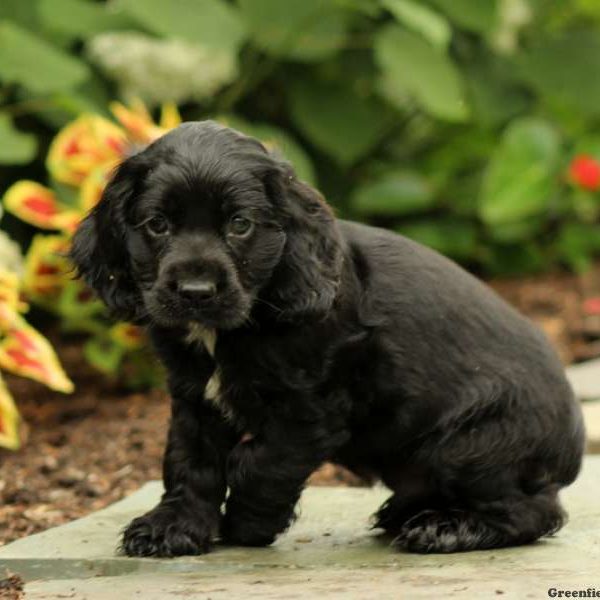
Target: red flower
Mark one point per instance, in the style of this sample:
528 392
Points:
592 306
584 171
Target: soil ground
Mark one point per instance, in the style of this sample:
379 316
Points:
90 449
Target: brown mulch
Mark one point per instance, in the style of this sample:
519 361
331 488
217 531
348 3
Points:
565 306
90 449
11 587
82 451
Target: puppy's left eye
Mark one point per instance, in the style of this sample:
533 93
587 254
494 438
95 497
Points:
240 226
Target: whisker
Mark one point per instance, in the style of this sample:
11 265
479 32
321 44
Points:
276 308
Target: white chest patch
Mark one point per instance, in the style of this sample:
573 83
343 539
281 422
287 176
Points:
208 338
201 335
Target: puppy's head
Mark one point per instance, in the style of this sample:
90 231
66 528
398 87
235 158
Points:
205 226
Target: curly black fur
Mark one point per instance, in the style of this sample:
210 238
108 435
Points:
292 338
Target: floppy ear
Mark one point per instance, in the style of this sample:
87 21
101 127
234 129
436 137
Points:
99 248
308 276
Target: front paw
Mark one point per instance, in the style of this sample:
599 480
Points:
168 532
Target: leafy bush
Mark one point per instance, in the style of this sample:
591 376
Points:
453 121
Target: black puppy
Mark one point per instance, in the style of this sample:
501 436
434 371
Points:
292 338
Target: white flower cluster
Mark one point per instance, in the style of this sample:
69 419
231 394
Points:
158 70
514 15
11 258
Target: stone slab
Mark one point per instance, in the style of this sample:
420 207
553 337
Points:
329 551
585 379
591 416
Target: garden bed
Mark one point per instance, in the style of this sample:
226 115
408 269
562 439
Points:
90 449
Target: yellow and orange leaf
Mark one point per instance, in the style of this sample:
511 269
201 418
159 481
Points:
137 106
24 351
9 419
92 188
126 335
169 116
83 145
137 121
10 300
39 206
46 269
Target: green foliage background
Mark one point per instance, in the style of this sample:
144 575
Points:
451 121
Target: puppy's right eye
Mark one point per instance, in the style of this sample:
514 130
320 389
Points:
157 225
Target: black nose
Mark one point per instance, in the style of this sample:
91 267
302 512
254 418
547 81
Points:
197 289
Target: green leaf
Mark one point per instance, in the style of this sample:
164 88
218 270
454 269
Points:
522 176
452 237
519 231
410 65
480 16
589 144
140 370
16 148
394 194
33 63
585 205
589 7
509 260
421 19
69 195
461 193
577 243
279 140
495 95
371 8
62 107
72 306
304 30
461 152
337 119
25 14
104 354
564 71
212 23
81 18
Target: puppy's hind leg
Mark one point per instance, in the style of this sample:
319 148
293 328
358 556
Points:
413 493
484 499
485 489
510 521
498 472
